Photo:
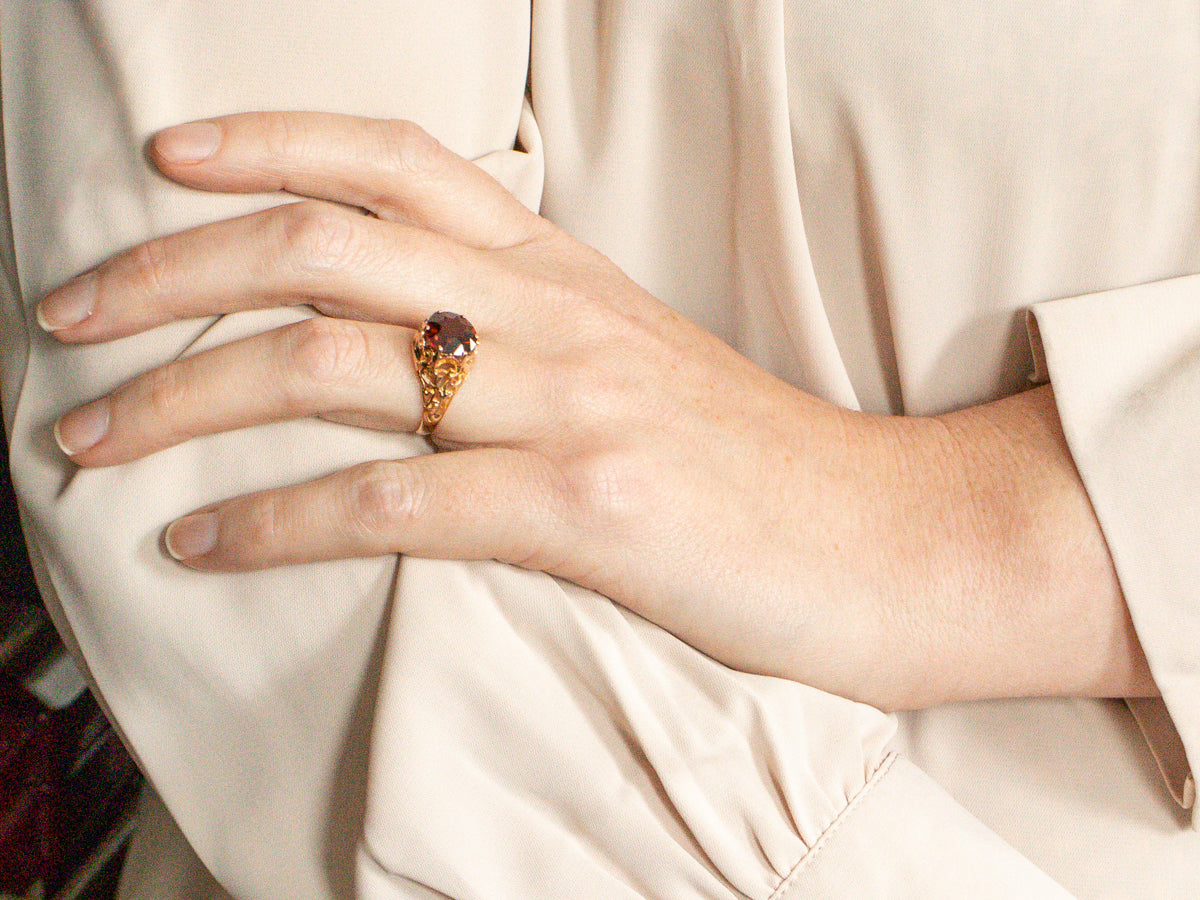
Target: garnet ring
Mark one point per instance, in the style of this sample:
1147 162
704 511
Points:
443 350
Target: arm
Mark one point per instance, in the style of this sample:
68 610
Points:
510 710
586 467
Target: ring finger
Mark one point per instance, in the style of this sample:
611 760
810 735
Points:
338 369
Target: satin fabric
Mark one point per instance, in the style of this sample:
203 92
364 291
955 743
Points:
869 201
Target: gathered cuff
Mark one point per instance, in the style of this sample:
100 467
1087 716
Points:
880 847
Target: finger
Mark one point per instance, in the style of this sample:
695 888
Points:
348 371
392 168
489 503
345 264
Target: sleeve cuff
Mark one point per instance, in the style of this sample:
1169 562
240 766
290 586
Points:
1168 751
1125 367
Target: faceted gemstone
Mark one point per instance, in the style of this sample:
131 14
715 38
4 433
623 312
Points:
449 334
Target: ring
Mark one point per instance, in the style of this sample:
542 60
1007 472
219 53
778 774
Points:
443 350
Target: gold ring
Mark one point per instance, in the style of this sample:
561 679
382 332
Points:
443 350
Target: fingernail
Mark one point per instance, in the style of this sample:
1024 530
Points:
191 143
192 536
82 428
69 305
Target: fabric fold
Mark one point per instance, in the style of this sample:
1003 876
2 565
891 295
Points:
1125 366
246 698
534 739
902 809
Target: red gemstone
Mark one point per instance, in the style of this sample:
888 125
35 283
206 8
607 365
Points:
449 334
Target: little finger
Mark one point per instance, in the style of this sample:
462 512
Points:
489 503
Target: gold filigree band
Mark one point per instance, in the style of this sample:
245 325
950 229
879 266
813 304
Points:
443 351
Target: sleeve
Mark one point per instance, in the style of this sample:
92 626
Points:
245 698
1125 367
525 738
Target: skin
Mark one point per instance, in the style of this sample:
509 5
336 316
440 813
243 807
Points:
900 561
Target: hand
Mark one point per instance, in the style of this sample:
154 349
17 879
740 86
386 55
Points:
600 437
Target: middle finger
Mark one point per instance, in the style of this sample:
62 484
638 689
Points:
340 261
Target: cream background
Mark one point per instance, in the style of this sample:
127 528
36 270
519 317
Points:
866 199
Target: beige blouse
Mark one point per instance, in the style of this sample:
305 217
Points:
870 200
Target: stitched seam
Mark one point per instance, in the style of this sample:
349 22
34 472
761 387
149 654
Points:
806 860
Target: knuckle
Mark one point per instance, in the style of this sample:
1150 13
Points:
590 397
561 292
282 135
568 394
601 490
264 523
384 498
408 148
544 233
323 352
318 238
150 265
168 391
591 319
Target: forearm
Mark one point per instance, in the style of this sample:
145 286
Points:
1045 564
958 554
900 561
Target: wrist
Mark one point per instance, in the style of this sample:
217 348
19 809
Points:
1043 583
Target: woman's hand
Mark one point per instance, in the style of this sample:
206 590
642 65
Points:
600 437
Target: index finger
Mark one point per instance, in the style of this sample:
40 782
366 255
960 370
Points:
392 168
